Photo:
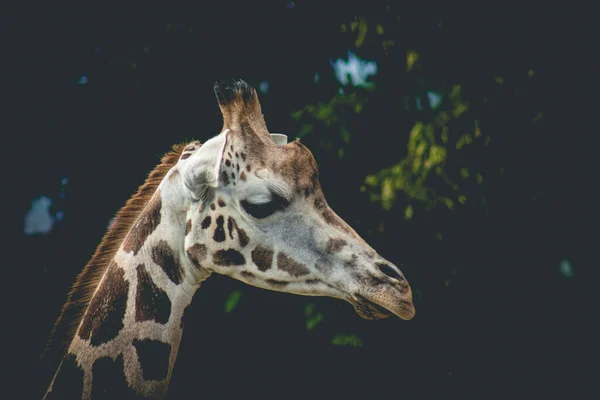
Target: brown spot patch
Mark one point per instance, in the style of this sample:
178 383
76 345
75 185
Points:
230 227
205 222
103 319
154 358
219 235
320 203
228 257
276 283
221 202
262 257
225 178
243 157
145 225
243 176
185 156
335 245
197 253
163 256
188 226
151 302
248 275
109 379
236 154
213 207
242 236
290 265
248 167
228 163
352 262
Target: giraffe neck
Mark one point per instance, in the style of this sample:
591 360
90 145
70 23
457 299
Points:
128 338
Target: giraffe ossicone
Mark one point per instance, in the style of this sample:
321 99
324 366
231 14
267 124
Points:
246 204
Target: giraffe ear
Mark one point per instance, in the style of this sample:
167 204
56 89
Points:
201 170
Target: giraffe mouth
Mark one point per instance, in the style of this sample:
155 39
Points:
369 310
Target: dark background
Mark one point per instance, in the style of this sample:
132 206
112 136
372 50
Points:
495 317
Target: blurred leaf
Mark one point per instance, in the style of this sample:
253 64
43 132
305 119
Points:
297 114
387 43
347 340
448 202
408 212
411 59
232 301
309 309
566 268
362 32
306 128
437 155
345 134
324 111
312 321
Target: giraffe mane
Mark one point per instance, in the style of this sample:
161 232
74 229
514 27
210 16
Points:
87 280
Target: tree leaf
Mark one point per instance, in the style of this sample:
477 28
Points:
232 301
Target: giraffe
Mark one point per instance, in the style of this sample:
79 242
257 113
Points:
245 204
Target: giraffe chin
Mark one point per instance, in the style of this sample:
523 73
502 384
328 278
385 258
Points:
370 310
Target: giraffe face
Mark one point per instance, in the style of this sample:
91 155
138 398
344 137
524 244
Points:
259 215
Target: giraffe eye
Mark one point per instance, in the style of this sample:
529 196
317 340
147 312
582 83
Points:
263 210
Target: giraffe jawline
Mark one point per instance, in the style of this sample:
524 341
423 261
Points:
368 310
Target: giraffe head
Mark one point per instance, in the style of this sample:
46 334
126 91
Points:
257 214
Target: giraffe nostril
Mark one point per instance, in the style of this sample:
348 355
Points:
390 271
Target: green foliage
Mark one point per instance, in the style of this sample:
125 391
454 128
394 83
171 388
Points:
347 340
232 301
312 319
442 133
429 146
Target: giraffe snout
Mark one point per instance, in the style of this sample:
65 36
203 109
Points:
384 291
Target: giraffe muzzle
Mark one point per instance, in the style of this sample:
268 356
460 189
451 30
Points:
394 298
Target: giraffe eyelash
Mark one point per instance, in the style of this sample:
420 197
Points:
263 210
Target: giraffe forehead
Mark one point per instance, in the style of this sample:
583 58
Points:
292 167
